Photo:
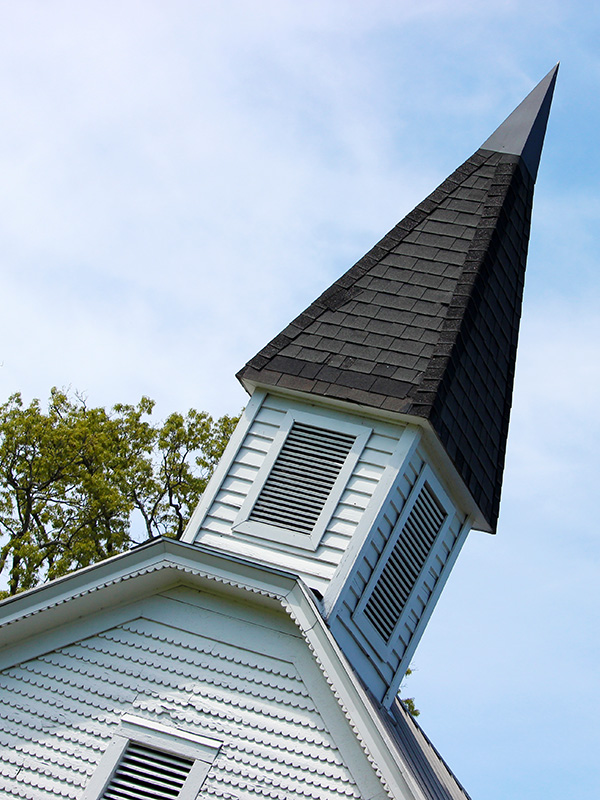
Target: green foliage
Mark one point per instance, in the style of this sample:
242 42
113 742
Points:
409 702
72 479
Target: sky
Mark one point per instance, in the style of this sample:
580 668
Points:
179 180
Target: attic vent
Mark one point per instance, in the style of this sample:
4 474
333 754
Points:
302 477
147 773
405 562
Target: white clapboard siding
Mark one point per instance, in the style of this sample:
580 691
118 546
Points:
315 566
340 526
232 682
373 630
244 468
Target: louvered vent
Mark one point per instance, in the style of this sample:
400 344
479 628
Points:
302 478
147 773
405 562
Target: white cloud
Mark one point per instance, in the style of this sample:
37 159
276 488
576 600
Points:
179 180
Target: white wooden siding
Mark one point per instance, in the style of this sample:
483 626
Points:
247 683
316 567
356 638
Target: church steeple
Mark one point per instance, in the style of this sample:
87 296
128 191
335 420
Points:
375 436
522 133
426 323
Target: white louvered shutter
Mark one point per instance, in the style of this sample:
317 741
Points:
144 773
404 563
302 477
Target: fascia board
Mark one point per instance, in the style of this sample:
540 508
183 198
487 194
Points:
83 580
361 712
449 475
126 578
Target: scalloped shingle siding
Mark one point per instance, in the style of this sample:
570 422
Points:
60 711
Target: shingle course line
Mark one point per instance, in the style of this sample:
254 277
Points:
394 322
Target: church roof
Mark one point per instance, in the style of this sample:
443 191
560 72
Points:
426 323
70 637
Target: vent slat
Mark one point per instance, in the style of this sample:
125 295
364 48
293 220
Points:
283 512
405 562
328 450
402 570
304 459
315 430
272 494
291 483
297 482
429 522
417 541
281 523
427 525
302 478
147 773
431 503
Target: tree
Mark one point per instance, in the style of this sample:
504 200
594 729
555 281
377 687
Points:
409 702
73 479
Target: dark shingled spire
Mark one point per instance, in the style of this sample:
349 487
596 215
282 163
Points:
522 133
426 323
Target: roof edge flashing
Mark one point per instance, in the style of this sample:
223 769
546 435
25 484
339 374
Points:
522 132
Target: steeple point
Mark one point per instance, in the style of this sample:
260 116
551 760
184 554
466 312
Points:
522 133
425 325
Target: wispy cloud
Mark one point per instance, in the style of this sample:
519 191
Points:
179 180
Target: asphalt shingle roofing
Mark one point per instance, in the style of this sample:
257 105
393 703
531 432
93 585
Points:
426 323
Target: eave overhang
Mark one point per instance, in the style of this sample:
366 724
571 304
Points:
430 441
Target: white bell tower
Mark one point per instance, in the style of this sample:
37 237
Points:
375 435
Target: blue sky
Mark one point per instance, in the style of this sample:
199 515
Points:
179 180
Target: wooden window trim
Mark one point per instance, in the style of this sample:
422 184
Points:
202 750
385 647
305 541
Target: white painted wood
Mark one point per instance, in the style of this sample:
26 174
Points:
341 519
405 447
316 573
424 617
201 750
106 767
243 523
376 673
243 680
146 667
220 472
345 552
379 661
189 744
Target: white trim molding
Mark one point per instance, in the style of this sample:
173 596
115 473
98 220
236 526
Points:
200 751
427 484
233 445
311 539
